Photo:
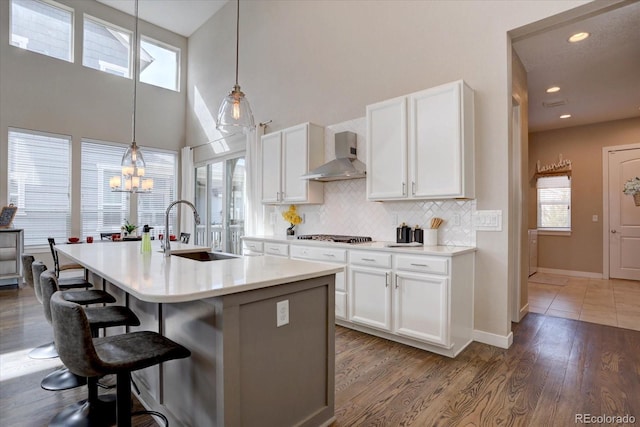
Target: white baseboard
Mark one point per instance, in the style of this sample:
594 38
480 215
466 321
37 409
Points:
572 273
523 311
493 339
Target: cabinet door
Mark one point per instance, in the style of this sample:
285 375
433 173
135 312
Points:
387 150
271 166
295 163
370 297
435 142
422 307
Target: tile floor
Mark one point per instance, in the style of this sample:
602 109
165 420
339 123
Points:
612 302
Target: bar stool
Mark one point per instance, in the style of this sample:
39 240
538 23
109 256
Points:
67 282
118 354
91 411
91 296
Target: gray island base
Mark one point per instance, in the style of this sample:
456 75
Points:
262 351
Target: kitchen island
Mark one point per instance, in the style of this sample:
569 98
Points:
260 329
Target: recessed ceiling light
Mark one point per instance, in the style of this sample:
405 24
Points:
578 37
553 89
565 116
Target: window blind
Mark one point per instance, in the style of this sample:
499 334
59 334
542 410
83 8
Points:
39 184
162 167
554 202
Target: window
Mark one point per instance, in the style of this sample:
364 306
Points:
104 210
159 64
554 203
39 184
106 47
42 26
162 167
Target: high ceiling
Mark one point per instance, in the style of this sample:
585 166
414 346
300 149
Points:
180 16
599 77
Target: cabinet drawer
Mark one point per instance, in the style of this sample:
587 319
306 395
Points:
423 264
281 249
8 254
319 253
252 245
373 259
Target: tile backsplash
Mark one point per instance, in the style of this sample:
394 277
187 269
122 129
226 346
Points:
346 209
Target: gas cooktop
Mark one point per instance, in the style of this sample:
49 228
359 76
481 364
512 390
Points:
335 238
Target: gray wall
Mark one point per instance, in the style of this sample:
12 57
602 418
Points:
324 61
42 93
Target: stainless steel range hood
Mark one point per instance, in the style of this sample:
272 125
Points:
345 166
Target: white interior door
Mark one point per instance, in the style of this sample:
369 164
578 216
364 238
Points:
624 216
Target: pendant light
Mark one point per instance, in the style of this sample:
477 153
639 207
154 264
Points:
132 165
235 113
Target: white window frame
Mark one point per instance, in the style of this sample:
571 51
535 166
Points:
169 47
547 182
126 72
22 42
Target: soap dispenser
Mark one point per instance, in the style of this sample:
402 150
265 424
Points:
145 246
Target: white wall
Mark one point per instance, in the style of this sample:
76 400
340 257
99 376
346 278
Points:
324 61
42 93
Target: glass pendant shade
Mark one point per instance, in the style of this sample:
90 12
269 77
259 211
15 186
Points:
133 164
235 113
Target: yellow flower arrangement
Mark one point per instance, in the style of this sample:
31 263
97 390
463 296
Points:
292 217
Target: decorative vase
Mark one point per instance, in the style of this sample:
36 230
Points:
636 198
291 231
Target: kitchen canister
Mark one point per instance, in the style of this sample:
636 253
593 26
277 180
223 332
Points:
431 237
403 234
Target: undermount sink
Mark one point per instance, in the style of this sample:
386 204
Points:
205 256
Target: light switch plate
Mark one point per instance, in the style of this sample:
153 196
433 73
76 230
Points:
488 220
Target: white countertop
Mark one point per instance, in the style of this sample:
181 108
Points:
375 246
156 278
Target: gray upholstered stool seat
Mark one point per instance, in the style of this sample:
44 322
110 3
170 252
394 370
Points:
119 354
90 296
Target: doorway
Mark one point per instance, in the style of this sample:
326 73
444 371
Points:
621 229
221 194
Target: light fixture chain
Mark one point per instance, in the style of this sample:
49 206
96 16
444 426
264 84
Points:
237 39
135 74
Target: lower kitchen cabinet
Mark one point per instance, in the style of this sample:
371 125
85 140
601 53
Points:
331 255
419 298
370 296
421 307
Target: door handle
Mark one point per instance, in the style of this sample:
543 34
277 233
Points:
413 188
614 231
403 188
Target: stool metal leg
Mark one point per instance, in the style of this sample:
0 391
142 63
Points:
62 379
123 392
44 351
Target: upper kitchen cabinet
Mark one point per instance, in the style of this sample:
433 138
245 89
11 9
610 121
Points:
286 156
421 146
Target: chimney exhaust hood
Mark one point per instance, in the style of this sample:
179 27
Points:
345 166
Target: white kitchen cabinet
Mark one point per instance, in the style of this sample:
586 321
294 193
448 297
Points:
421 307
252 247
387 150
286 156
370 296
276 249
421 146
370 289
331 255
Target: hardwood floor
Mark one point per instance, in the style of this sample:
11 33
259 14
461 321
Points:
555 370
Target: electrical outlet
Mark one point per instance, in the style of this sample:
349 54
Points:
282 313
455 220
